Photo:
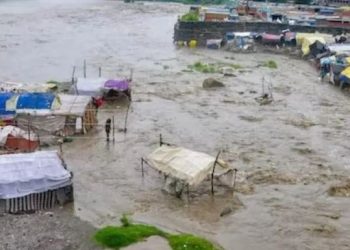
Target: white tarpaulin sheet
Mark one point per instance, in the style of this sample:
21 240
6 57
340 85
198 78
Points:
90 87
184 164
74 105
16 132
23 174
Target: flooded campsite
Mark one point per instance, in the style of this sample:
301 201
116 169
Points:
292 185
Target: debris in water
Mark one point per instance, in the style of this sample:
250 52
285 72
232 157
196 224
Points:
233 206
271 176
212 83
341 190
322 229
250 118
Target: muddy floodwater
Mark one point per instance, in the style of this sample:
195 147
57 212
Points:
288 153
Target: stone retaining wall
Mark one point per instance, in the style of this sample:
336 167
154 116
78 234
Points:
201 31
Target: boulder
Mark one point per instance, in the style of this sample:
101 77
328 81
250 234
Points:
212 83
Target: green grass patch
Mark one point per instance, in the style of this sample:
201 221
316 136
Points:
129 233
270 64
203 67
189 242
212 68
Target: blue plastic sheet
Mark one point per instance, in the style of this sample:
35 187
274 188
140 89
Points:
35 101
3 98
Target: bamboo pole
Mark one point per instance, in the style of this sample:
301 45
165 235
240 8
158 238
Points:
29 132
99 72
212 173
126 117
113 129
84 68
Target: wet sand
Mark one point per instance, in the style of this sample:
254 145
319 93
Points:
288 153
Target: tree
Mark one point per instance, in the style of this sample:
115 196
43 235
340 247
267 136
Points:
302 2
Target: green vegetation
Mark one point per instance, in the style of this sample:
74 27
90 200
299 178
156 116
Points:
306 2
190 17
270 64
52 82
128 233
189 242
203 67
212 68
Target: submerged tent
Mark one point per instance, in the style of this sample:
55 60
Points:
33 181
183 164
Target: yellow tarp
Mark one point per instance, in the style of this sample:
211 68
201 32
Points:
306 39
347 60
346 72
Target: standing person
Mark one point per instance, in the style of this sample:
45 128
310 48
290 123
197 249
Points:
108 127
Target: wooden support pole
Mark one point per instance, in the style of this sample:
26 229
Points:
212 173
126 117
99 72
73 73
29 133
113 129
234 181
143 174
84 68
160 140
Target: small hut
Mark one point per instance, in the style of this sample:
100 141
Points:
33 181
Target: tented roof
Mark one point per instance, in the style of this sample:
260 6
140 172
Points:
23 174
16 132
190 166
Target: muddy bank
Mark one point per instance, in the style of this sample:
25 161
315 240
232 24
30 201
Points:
56 229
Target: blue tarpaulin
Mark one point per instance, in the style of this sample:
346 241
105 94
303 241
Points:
35 101
3 98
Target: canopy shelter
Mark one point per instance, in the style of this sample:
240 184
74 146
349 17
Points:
33 181
103 87
189 166
185 168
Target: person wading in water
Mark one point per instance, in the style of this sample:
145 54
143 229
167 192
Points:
108 128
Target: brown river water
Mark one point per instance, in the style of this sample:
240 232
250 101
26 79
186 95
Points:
287 153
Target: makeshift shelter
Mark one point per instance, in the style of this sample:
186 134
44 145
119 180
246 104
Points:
75 115
115 88
90 86
33 103
271 39
14 138
33 181
186 166
214 43
306 39
317 48
6 117
103 87
344 77
335 70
